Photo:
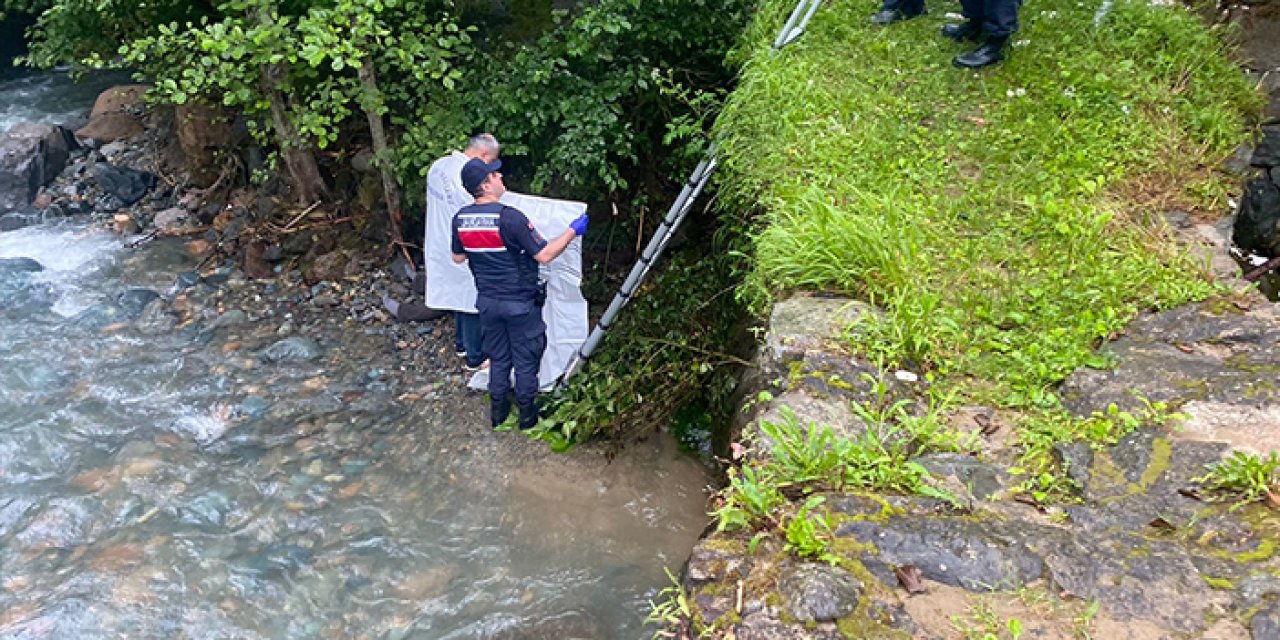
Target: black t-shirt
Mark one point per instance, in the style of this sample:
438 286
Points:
499 242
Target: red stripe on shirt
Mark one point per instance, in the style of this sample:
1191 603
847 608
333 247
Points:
475 239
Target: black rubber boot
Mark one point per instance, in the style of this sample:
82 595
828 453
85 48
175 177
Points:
498 411
889 16
963 31
528 417
988 54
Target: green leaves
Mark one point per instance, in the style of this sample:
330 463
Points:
1245 477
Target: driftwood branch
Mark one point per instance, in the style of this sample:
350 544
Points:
1267 267
300 216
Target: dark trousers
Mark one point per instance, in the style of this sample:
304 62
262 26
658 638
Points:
905 7
514 338
466 337
999 18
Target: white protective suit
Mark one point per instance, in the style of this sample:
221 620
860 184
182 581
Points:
450 286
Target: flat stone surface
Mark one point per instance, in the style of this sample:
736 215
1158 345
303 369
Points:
1249 428
816 592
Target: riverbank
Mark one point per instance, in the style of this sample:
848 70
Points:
1016 436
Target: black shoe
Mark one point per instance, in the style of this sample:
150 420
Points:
889 16
528 417
984 56
963 31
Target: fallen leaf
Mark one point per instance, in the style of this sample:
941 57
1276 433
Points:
910 578
1184 348
1162 524
1273 500
1190 492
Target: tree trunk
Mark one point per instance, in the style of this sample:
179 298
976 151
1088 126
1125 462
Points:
304 173
381 153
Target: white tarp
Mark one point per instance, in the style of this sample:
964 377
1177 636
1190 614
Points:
451 287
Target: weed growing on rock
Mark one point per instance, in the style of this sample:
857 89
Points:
806 459
809 534
672 612
1245 478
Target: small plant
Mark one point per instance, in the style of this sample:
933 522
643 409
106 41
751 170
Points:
672 612
1245 476
801 454
751 499
809 535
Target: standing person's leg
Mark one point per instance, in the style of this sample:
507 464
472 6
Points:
999 21
1001 18
494 332
471 341
974 12
528 342
894 10
459 348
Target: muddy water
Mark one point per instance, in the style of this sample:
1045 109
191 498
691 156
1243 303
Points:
168 481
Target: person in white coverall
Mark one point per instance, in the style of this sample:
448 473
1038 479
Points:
450 286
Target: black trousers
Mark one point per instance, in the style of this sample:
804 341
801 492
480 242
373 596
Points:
514 336
999 18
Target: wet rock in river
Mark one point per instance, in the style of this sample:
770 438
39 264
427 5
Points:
31 156
817 593
135 299
232 318
295 349
9 266
124 184
99 316
63 523
40 378
18 219
12 512
254 406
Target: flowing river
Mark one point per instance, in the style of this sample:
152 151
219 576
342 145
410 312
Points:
167 481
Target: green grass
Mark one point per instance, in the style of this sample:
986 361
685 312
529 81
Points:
1006 220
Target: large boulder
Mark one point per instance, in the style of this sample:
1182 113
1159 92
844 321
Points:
31 156
114 116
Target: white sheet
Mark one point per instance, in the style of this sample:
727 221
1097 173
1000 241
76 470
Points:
449 286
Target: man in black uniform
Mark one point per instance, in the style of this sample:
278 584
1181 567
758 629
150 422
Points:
504 250
997 18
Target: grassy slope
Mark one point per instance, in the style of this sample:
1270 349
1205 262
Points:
1007 220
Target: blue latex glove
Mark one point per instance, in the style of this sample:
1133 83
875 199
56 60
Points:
579 225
